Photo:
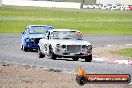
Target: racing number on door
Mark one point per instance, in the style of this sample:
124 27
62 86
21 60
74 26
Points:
45 47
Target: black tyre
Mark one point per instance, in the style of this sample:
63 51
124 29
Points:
40 55
88 58
24 48
52 55
75 58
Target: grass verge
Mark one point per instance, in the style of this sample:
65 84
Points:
127 52
14 20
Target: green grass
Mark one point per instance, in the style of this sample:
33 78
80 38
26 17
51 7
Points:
125 52
90 22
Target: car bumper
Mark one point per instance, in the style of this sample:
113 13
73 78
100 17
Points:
75 55
31 46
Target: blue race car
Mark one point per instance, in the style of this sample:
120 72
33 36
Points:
31 36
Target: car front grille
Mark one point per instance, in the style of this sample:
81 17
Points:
73 48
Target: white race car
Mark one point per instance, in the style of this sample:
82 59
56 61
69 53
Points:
65 43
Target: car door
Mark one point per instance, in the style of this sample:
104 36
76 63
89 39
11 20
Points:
46 43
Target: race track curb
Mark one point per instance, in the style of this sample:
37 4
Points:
111 60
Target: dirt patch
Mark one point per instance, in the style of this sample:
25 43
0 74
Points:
14 76
108 52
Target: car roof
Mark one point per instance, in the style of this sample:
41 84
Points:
63 30
38 25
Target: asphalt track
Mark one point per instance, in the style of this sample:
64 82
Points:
10 53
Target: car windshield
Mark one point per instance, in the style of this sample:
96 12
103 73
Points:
67 35
38 30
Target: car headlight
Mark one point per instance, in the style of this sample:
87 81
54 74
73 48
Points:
27 39
89 47
63 46
58 45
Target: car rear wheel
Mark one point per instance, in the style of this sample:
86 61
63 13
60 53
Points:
40 55
88 58
75 58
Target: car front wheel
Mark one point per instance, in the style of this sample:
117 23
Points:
52 55
24 48
40 55
88 58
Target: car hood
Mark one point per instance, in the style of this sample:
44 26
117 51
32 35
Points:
36 35
70 42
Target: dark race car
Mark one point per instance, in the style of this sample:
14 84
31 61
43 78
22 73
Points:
31 36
